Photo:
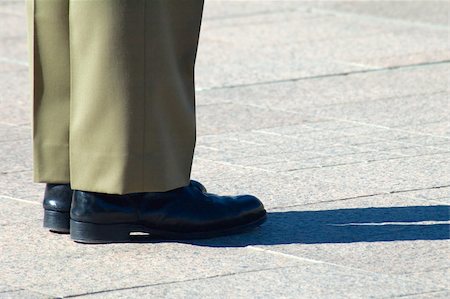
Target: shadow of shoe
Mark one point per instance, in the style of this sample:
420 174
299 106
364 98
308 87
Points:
381 224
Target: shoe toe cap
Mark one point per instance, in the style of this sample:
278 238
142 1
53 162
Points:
250 206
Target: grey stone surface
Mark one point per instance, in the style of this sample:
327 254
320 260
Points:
335 114
430 295
384 176
14 99
14 21
378 234
14 133
15 49
16 155
219 9
439 275
13 7
20 213
301 96
20 294
439 127
441 195
416 109
278 190
315 37
212 120
109 267
258 32
19 184
306 281
6 288
11 65
419 13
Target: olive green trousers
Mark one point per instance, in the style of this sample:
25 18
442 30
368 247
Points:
113 92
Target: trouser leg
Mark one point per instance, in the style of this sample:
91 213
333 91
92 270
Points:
48 38
132 112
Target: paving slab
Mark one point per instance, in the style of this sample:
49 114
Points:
211 118
10 132
386 176
15 49
15 24
380 234
301 95
19 184
349 44
11 65
307 281
408 110
438 275
305 181
441 194
15 102
9 216
430 295
277 190
335 114
19 294
16 155
107 267
441 128
419 13
6 288
14 7
231 10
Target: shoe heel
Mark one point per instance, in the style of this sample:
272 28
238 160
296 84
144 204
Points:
98 233
58 222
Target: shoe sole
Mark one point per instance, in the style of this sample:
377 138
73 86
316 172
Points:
57 222
91 233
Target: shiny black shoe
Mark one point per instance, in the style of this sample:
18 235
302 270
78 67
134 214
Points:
57 202
183 213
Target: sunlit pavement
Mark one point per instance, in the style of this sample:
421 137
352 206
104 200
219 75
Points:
335 114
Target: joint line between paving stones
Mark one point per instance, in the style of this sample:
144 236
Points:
31 290
361 147
15 125
10 291
378 18
337 119
178 281
367 195
419 189
14 171
11 140
372 70
326 201
288 173
262 13
344 120
384 127
256 166
273 252
14 61
361 162
19 199
423 293
385 98
337 144
300 258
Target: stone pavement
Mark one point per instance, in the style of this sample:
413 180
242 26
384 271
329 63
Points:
335 114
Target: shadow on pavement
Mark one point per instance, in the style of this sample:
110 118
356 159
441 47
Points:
380 224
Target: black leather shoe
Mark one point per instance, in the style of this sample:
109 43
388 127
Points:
57 201
183 213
